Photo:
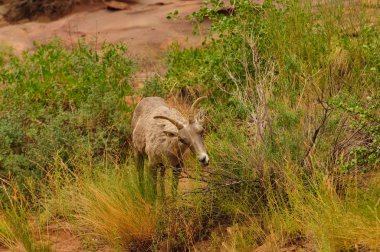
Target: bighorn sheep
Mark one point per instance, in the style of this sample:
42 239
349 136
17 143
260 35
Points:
163 135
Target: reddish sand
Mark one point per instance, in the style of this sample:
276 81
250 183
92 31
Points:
144 27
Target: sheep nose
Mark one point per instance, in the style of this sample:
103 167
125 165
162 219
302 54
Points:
203 158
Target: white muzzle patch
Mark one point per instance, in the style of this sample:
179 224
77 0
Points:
204 159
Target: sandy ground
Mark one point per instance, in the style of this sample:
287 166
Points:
144 27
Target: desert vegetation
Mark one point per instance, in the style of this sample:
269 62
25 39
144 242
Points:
292 130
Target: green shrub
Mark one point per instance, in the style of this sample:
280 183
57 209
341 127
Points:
56 101
365 123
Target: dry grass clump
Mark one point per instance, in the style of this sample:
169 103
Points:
17 231
20 9
110 208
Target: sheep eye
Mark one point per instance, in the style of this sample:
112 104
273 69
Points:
182 140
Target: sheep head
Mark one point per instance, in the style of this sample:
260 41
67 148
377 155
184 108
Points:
191 133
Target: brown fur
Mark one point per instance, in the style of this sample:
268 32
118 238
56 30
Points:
160 141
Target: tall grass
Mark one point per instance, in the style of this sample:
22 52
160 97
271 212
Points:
111 206
329 221
17 231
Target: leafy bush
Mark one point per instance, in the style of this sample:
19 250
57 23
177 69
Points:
366 122
266 67
55 101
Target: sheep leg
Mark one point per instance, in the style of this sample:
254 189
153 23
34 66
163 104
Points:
175 179
139 159
162 180
153 172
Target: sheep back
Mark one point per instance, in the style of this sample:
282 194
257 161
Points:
148 133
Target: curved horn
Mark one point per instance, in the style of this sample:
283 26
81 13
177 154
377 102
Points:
179 125
192 109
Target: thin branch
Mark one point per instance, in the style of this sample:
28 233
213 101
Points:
326 113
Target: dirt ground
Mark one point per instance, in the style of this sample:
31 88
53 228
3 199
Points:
143 26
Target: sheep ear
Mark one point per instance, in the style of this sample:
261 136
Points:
201 116
171 133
